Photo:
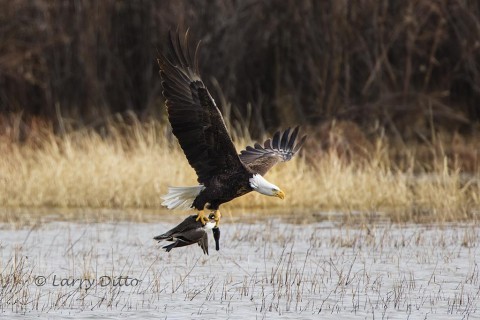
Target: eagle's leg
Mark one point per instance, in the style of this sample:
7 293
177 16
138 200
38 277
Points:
218 215
202 217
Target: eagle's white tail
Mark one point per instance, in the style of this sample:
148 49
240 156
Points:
181 197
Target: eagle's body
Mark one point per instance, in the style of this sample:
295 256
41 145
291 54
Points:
223 174
223 188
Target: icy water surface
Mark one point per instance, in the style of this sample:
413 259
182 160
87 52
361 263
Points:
268 269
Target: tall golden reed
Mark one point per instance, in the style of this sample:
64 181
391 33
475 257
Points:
133 166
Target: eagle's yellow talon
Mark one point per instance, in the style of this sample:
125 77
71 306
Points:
202 217
218 215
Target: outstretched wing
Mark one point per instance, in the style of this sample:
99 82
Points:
189 223
196 121
279 149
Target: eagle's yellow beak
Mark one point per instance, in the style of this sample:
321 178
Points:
279 194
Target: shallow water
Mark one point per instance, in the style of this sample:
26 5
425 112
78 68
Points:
266 269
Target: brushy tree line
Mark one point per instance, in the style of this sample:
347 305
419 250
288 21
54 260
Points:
401 65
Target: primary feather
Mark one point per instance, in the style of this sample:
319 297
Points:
281 148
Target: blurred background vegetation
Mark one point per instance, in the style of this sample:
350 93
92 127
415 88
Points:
408 70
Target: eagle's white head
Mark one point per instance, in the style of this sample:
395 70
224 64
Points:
260 184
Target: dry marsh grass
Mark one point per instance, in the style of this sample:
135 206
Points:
132 166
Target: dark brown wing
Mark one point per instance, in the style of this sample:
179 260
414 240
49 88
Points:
196 121
190 223
279 149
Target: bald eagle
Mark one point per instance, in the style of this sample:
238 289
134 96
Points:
223 174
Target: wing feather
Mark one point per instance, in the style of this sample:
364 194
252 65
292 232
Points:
291 142
276 139
283 143
299 145
196 121
281 148
268 144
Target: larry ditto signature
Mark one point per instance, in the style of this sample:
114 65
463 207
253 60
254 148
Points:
86 283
